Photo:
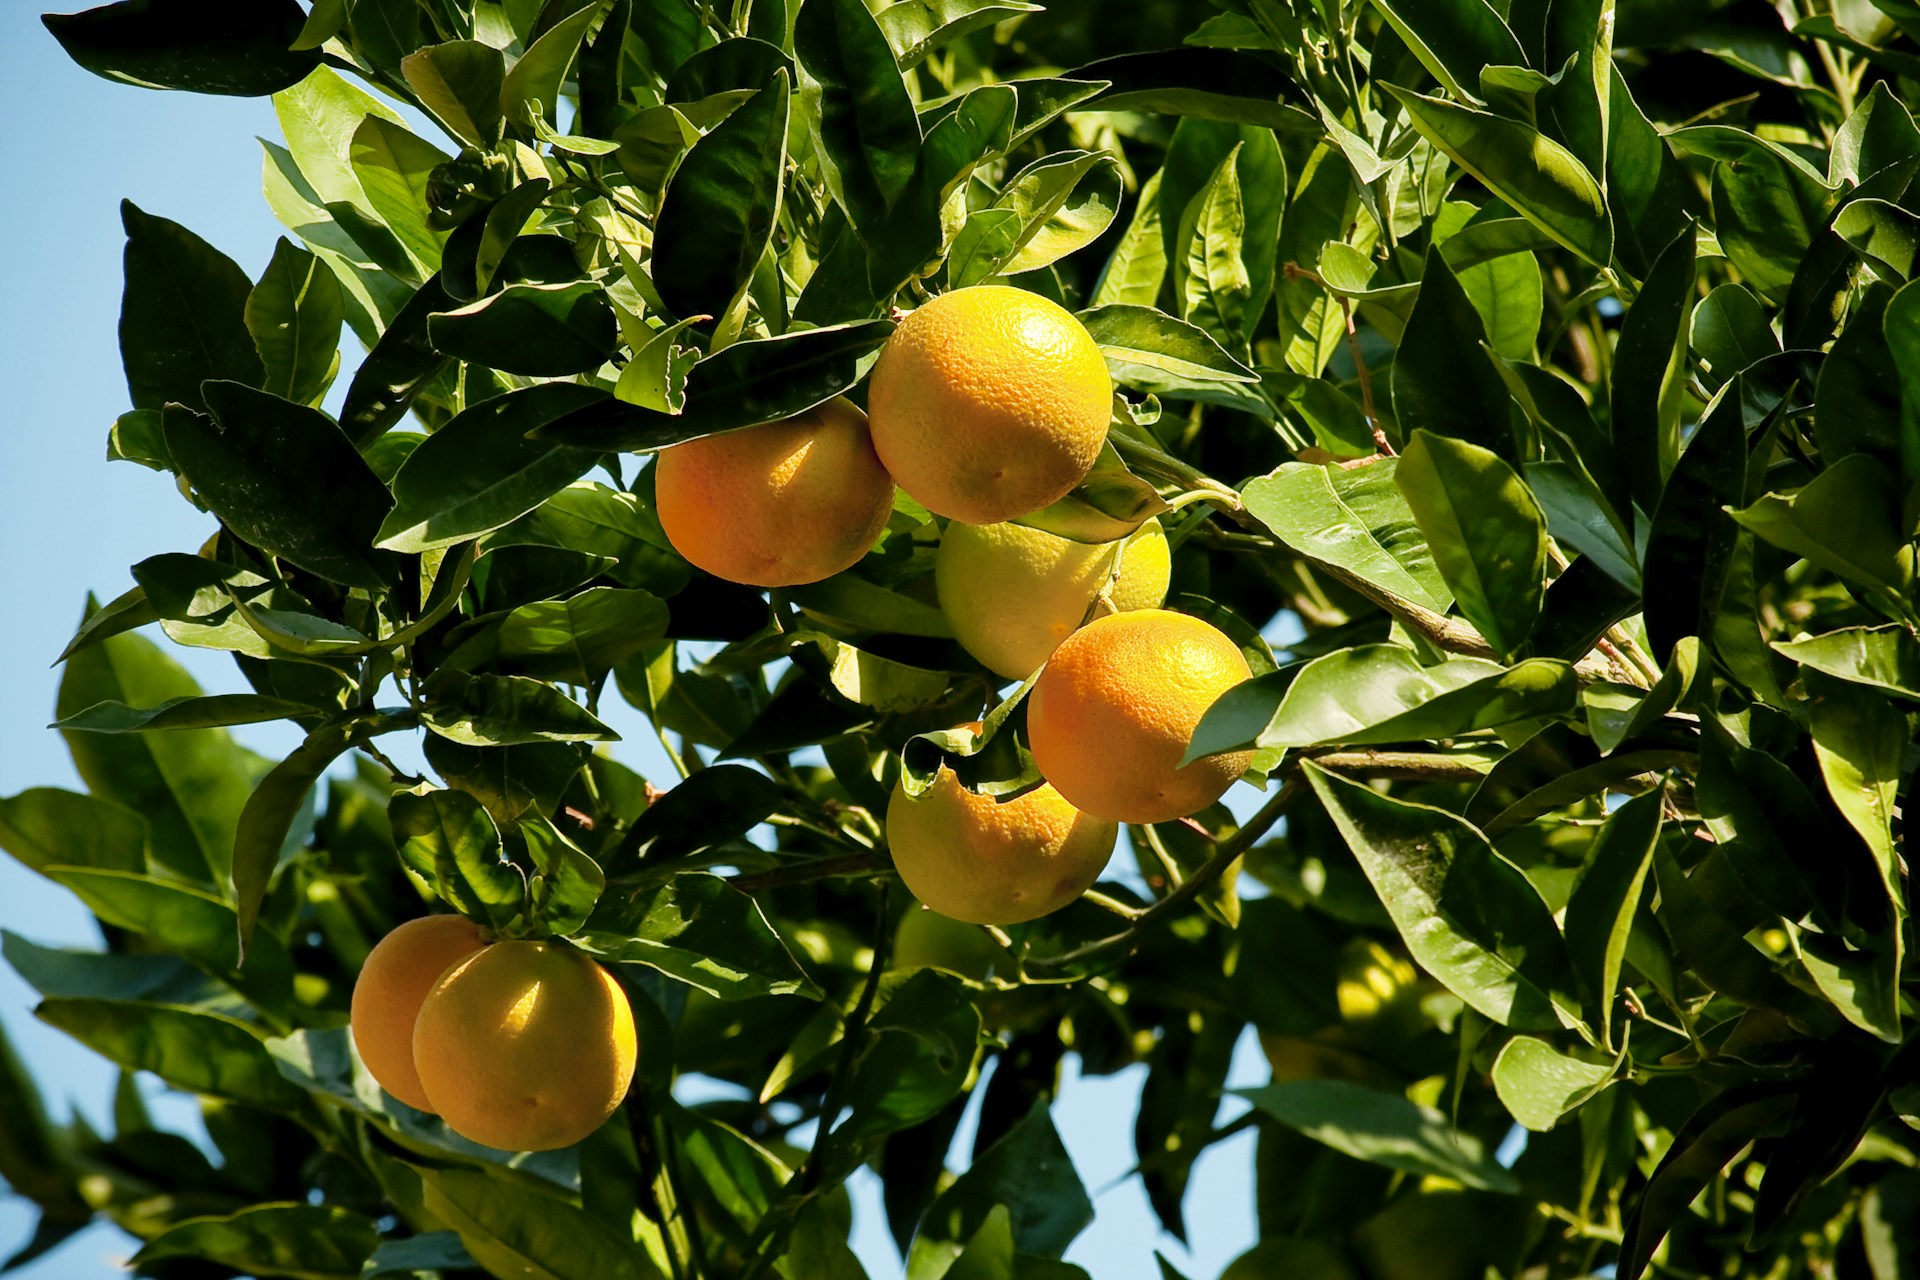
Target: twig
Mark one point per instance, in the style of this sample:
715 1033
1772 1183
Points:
1224 855
1294 271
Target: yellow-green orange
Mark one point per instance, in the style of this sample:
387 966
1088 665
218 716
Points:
1013 593
927 938
776 505
988 861
989 403
394 981
527 1046
1115 708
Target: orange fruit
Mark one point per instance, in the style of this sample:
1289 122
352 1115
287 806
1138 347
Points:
989 403
1115 708
527 1046
398 973
1013 593
987 861
776 505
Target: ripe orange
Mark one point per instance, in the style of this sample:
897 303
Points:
1013 593
398 973
527 1046
1115 708
987 861
989 403
776 505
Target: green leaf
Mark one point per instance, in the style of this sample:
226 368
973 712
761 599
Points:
319 117
1154 352
1691 541
715 805
1210 275
740 62
566 882
850 599
1383 1129
541 330
1767 205
1109 503
433 1251
1138 266
1616 713
533 83
1605 900
1860 740
1845 520
1355 520
700 930
919 1052
46 827
1469 917
261 836
865 132
189 786
1540 178
746 384
520 1224
170 273
294 315
1486 530
147 979
1705 940
1026 1173
460 83
1649 371
1443 381
284 478
206 712
1884 234
302 1241
1508 293
400 365
198 1052
498 711
1885 657
395 169
1454 40
1580 516
1863 982
1062 203
1210 84
915 28
576 640
480 471
1710 1139
1538 1084
446 838
721 205
237 47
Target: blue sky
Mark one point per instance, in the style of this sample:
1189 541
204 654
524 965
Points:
71 522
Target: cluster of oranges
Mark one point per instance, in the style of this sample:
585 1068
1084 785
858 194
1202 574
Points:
469 1029
986 404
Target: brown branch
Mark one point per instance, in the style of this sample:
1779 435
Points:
1294 271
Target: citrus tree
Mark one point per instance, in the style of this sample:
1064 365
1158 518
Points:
1539 376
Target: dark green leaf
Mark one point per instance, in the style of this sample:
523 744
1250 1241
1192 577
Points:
700 930
496 711
260 838
915 28
517 1221
395 169
865 131
1579 516
720 206
920 1050
294 315
198 1052
566 882
1648 373
398 367
1731 333
1533 173
284 478
713 806
1860 740
306 1242
1028 1172
237 47
447 839
1469 917
205 712
128 612
172 273
1605 899
738 63
1690 545
1443 381
1381 1128
1846 520
1486 530
746 384
578 639
1212 84
533 83
1455 40
1704 939
480 471
542 330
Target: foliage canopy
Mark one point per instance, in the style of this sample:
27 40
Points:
1544 372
